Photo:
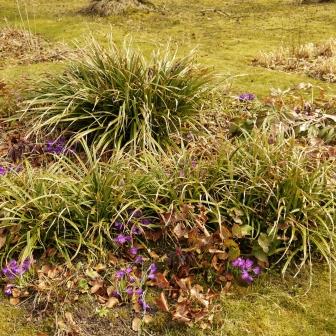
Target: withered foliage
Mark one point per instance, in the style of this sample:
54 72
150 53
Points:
19 46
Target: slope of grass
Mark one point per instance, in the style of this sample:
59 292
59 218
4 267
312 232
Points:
228 34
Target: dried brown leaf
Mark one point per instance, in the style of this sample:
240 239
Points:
112 302
162 303
136 324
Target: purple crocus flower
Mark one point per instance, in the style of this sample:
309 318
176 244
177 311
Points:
143 304
116 295
248 264
145 221
128 270
129 290
9 290
245 97
131 279
133 250
3 171
122 239
136 231
26 264
239 262
55 146
256 270
139 260
153 268
12 269
151 276
119 226
139 291
120 274
246 277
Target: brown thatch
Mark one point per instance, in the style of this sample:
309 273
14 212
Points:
21 47
116 7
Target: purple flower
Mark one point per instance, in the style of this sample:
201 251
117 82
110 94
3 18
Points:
116 295
8 290
151 276
244 97
12 269
55 146
122 239
139 260
246 277
139 291
120 274
119 226
26 264
153 268
128 270
135 230
248 264
256 270
143 304
3 171
239 262
133 250
129 290
131 279
193 163
145 221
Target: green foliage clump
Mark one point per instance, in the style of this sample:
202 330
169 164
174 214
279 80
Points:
284 195
114 97
273 199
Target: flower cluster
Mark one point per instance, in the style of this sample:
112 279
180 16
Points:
133 225
245 97
55 146
10 169
129 281
152 272
13 270
3 171
247 269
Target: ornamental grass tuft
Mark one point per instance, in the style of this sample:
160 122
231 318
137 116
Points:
114 97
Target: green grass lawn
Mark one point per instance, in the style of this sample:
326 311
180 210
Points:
227 40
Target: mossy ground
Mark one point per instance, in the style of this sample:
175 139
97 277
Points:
228 34
13 321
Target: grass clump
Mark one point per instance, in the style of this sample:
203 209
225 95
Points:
116 7
284 196
317 60
275 200
115 97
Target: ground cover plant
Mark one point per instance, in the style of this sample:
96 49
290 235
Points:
317 60
155 233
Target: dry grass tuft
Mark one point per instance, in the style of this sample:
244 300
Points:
116 7
23 47
317 60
